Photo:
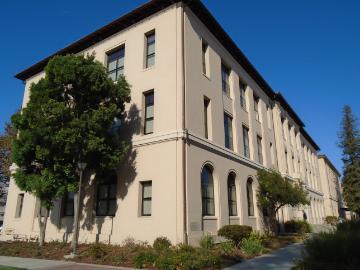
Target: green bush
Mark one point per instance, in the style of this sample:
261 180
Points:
98 250
186 248
297 226
331 220
227 248
161 243
349 226
333 251
144 258
207 242
235 233
252 246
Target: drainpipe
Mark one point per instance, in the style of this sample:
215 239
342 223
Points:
185 132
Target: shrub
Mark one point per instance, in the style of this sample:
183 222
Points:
146 257
331 220
252 246
226 248
97 250
297 226
349 226
186 248
332 251
235 233
161 243
207 242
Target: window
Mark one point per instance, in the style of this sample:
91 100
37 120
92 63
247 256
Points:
150 49
225 75
259 147
268 111
207 192
272 155
205 55
286 162
68 204
256 108
115 63
106 195
146 194
250 199
20 204
228 132
149 112
246 142
206 116
232 195
242 95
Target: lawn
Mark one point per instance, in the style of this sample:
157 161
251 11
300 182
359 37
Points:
10 268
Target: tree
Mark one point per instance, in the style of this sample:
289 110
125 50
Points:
68 120
350 144
349 138
275 192
5 160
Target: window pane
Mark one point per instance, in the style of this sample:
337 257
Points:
146 207
69 209
147 189
112 65
149 111
102 208
112 191
121 62
210 207
151 38
112 208
103 192
150 61
151 49
112 75
149 126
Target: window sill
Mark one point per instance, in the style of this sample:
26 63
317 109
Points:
252 217
209 217
148 68
234 217
145 217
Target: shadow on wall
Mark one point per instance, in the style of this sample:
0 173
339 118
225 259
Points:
125 175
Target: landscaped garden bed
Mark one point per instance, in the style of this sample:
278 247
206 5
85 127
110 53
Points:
160 255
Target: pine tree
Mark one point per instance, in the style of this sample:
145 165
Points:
350 144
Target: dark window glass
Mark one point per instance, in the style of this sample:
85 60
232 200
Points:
228 132
232 195
206 117
20 204
115 64
250 199
246 142
106 195
68 204
146 198
149 113
204 57
256 108
207 192
150 50
242 95
225 74
259 147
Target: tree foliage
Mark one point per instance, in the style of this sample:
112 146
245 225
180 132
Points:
275 192
350 144
5 159
69 119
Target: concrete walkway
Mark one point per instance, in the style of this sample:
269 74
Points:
40 264
282 259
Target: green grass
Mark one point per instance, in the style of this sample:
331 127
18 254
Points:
10 268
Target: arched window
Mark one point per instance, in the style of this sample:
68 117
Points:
250 199
232 195
207 192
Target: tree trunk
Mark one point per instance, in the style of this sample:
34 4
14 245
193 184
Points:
42 225
273 221
77 216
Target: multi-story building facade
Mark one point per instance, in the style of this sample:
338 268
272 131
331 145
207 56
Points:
329 176
202 121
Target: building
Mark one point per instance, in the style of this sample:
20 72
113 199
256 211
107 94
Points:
202 122
329 176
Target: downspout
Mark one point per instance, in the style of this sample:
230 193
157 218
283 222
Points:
185 132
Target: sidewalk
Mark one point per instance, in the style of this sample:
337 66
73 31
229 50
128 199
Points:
282 259
51 265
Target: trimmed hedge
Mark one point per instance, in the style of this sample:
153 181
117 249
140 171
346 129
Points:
297 226
235 233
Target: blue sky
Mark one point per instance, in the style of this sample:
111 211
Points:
309 50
